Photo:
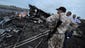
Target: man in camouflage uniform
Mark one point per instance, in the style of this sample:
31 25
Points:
56 41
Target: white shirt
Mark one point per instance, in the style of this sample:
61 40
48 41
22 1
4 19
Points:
69 17
74 20
78 21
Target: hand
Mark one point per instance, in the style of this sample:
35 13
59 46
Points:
59 14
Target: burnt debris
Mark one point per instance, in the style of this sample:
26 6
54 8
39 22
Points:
16 28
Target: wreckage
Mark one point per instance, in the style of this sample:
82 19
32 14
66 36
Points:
16 31
19 31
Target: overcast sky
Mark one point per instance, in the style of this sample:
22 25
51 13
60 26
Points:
76 6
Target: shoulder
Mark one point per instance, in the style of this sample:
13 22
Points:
54 16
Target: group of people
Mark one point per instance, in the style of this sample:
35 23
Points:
65 24
74 19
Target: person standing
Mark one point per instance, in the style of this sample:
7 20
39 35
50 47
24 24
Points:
68 33
57 39
74 18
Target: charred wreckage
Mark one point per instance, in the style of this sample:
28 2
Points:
17 30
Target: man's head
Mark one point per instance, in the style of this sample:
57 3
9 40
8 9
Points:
68 13
61 10
78 17
74 15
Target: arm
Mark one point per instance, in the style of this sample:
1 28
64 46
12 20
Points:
51 21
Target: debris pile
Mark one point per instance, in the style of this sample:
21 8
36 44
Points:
15 29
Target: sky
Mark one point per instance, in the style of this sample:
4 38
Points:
49 6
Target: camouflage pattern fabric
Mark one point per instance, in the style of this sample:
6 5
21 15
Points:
56 41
